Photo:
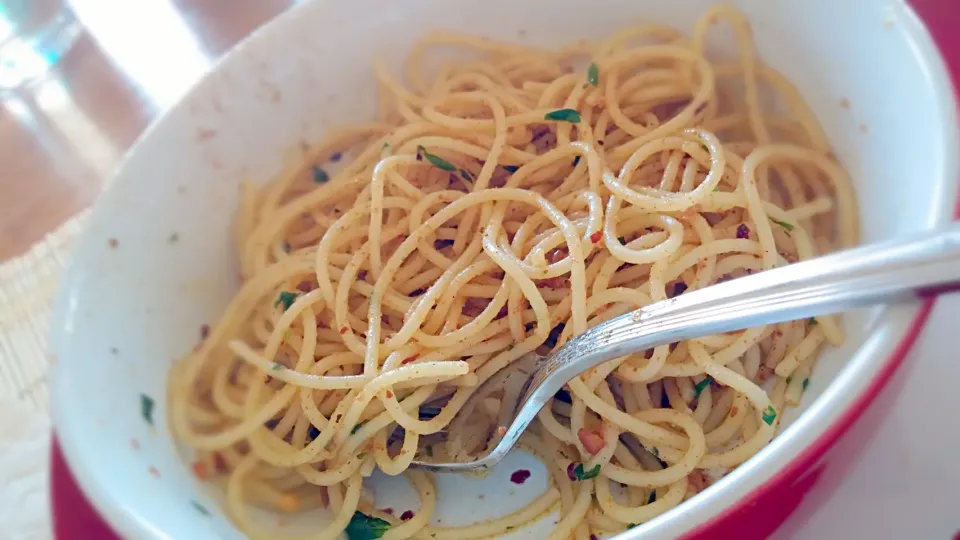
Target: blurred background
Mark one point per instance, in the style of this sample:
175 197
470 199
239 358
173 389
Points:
80 80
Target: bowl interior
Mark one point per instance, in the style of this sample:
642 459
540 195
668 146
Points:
157 260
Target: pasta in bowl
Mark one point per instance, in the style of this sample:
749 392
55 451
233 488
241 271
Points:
513 198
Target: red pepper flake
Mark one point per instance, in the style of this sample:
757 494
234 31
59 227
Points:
556 255
520 476
205 134
388 511
113 243
389 394
743 232
204 331
410 359
698 480
406 515
220 463
135 444
764 373
200 470
501 431
595 237
557 282
344 330
592 441
306 286
733 411
153 472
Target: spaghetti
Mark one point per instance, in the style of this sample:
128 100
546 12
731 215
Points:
506 206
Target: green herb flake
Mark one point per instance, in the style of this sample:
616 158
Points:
655 452
593 74
812 321
653 496
285 299
701 386
319 175
789 380
563 115
632 525
436 161
173 238
511 168
581 474
146 408
806 383
769 415
277 366
200 508
786 226
364 527
465 174
386 150
356 428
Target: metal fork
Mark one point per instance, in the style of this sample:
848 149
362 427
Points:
903 269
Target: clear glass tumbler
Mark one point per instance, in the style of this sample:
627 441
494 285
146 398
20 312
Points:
34 35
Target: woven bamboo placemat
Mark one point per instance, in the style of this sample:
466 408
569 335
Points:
27 287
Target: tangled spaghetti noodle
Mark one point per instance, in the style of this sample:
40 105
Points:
507 206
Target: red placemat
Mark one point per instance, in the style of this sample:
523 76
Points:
75 519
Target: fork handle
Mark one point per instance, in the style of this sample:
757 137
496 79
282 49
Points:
918 266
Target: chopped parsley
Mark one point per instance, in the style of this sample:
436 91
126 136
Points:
285 299
789 380
769 415
701 386
786 226
436 161
465 174
200 508
806 383
812 321
356 428
319 175
364 527
580 474
385 150
511 168
146 408
563 115
277 366
593 74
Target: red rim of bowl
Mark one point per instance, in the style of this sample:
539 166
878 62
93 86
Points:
73 514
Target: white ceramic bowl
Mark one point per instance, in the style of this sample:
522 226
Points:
126 312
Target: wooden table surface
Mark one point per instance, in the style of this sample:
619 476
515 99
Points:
61 137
